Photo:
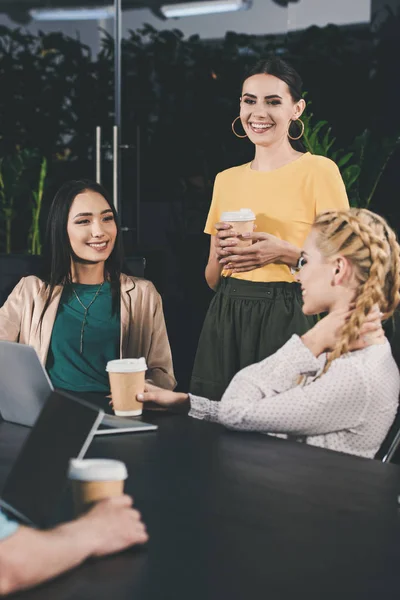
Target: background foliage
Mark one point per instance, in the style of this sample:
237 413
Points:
179 99
181 95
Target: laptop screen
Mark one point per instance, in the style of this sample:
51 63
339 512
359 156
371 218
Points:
25 385
64 430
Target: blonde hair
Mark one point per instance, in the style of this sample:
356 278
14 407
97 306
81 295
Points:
368 242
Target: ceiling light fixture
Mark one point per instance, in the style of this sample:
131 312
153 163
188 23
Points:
72 14
191 9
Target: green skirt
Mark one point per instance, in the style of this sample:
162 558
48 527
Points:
246 322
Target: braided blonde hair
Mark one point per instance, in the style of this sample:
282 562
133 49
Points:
368 242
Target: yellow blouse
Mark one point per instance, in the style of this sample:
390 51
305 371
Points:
285 202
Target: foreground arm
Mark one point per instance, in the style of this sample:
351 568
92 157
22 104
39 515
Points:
29 557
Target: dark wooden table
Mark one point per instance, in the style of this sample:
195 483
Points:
234 515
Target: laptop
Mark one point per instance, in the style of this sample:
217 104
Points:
25 386
64 429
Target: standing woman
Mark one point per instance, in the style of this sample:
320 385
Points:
257 306
84 312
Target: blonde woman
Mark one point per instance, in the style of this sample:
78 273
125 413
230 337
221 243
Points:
337 386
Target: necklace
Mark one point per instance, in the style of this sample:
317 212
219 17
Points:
85 308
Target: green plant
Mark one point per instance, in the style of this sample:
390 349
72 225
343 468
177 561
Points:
318 139
35 246
372 155
18 177
361 167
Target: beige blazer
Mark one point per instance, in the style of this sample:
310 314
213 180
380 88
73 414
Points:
143 331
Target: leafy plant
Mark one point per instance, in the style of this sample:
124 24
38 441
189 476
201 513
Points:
179 97
18 176
362 166
35 246
372 155
318 139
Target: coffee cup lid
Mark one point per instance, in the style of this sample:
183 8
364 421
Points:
97 469
126 365
244 214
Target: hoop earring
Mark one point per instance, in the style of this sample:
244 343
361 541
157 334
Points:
233 129
302 130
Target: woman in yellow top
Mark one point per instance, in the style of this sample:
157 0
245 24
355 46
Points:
257 306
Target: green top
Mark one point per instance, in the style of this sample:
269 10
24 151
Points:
67 367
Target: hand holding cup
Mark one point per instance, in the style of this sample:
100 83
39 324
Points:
94 480
232 226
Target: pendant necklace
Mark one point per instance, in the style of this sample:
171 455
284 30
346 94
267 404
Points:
85 308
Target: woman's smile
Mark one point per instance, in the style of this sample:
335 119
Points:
259 127
98 246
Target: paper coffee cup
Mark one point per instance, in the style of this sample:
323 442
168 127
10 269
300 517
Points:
242 221
126 381
95 479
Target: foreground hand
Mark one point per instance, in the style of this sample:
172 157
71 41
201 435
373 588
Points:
162 397
114 526
324 336
266 249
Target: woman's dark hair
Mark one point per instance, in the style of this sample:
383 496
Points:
57 247
282 70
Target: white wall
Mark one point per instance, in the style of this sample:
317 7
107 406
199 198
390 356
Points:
86 31
322 12
264 17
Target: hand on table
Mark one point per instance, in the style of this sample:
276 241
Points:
165 398
324 336
266 249
113 525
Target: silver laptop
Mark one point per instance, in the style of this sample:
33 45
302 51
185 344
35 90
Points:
64 430
25 387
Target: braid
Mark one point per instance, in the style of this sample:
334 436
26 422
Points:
392 289
369 243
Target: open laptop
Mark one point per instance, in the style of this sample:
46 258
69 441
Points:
25 387
63 430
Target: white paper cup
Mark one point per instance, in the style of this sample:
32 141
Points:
127 376
93 480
